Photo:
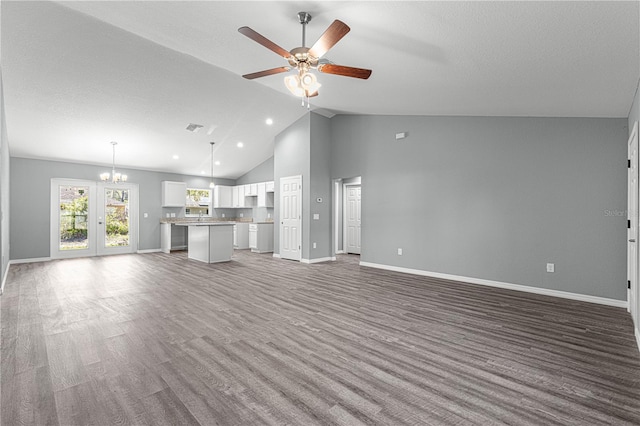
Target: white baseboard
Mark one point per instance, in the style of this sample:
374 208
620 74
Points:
318 260
4 277
276 255
339 251
31 260
149 251
508 286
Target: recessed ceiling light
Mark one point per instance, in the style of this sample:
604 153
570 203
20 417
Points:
240 144
175 157
217 163
269 121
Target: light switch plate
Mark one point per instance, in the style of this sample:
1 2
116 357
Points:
551 267
173 215
316 216
146 215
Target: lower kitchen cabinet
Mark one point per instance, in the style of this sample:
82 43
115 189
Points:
261 237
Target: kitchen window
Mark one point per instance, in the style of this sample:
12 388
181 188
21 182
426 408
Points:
198 202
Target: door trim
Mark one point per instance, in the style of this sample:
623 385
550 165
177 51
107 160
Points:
633 299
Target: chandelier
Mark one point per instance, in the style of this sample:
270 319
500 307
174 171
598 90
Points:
115 177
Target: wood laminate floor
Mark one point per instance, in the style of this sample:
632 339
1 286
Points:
158 339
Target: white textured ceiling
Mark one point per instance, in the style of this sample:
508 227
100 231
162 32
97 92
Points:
79 74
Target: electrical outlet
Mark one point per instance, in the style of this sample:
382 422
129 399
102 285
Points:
551 267
399 252
223 215
241 214
268 215
316 216
315 245
168 215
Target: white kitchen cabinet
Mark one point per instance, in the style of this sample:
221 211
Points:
251 190
222 197
270 186
241 236
265 199
174 194
261 237
238 196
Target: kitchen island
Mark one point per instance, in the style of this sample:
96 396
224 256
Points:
209 242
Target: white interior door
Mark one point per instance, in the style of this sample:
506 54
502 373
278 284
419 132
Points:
352 218
633 223
89 218
291 217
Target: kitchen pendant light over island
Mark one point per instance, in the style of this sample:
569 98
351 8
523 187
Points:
211 184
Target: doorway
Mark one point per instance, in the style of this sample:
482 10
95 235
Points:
633 224
291 218
93 219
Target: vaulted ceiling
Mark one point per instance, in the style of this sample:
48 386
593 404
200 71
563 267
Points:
80 74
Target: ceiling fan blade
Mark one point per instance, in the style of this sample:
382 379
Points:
266 73
258 38
345 71
329 38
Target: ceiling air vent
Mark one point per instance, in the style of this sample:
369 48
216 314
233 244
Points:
193 128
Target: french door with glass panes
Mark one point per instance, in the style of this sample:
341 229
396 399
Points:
90 218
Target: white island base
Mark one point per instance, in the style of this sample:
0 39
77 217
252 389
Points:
210 242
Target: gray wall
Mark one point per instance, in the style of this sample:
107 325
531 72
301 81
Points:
492 198
30 198
261 173
319 187
4 188
291 158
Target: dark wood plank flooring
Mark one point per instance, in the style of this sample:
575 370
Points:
158 339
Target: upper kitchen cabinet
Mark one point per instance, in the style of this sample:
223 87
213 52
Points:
173 194
251 190
238 196
222 197
265 198
270 186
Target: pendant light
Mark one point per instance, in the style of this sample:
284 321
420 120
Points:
115 177
211 184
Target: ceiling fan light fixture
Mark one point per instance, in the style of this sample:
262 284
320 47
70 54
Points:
309 82
293 84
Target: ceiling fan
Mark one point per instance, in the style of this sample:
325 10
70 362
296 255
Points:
303 59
